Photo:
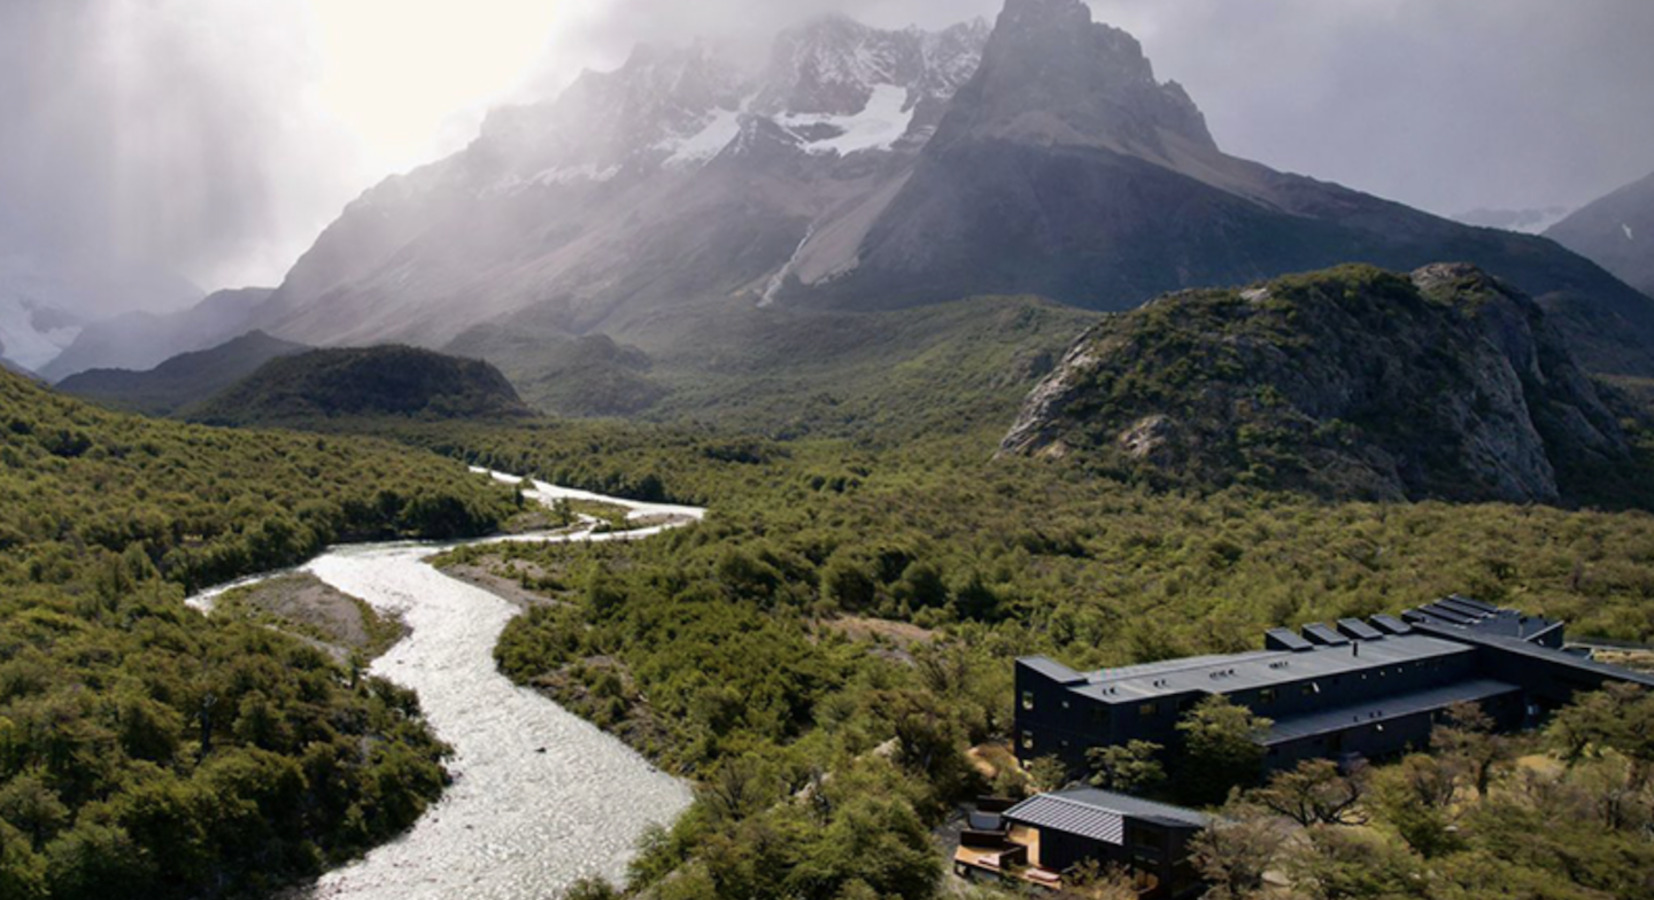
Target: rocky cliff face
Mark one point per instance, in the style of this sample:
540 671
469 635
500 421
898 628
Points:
1347 383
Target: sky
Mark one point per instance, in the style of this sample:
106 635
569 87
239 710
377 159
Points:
217 138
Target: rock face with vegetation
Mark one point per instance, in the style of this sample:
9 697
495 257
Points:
377 381
1352 382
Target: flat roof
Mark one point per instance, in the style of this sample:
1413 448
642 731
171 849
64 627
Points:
1390 624
1359 630
1385 709
1475 616
1267 668
1534 651
1051 669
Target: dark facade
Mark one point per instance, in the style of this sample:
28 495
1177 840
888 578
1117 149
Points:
1372 688
1150 840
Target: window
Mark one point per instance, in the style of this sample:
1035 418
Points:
1148 710
1311 688
1099 714
1266 696
1027 740
1027 699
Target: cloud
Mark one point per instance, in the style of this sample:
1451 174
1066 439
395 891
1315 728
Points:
1443 104
190 134
173 132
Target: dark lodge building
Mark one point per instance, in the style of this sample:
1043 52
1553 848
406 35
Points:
1357 689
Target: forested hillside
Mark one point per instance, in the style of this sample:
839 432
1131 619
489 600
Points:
826 650
372 381
146 751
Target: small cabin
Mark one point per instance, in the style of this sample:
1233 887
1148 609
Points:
1043 838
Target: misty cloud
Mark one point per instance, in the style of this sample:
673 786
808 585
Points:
181 131
174 132
1443 104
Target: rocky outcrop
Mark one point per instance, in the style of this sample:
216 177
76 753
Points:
1349 383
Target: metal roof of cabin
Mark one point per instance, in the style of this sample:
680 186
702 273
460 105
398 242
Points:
1099 815
1377 712
1237 672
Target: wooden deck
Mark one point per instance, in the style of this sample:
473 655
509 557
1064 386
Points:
1019 861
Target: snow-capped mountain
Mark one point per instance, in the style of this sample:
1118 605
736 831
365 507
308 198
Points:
868 168
677 175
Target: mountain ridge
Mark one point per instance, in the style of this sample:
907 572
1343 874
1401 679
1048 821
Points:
181 381
1060 167
1617 232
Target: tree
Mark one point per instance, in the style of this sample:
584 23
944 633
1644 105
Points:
591 889
1314 794
1132 767
1468 737
1233 853
1048 773
1340 863
1619 718
1417 798
1221 748
1092 881
739 788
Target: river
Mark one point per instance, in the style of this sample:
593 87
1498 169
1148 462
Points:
540 797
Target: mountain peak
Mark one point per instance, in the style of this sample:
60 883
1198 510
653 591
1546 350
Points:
1052 75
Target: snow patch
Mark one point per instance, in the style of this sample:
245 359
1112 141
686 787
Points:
575 174
1628 233
705 144
880 124
588 173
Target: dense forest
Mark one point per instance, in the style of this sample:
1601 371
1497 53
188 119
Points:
829 654
146 751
